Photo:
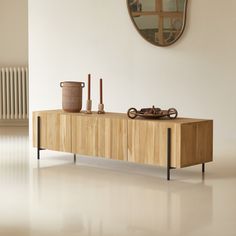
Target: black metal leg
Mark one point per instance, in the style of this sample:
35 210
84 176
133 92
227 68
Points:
168 152
203 167
74 158
38 137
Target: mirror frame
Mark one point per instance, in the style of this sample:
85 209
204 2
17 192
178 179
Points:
172 42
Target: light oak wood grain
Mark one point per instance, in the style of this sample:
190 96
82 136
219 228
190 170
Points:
84 135
115 136
191 143
103 136
196 143
147 142
112 138
43 129
55 131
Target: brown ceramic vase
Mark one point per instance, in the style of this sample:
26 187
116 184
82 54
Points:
72 95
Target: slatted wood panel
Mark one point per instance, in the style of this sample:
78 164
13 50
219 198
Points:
196 143
116 137
147 142
100 136
55 131
84 135
112 138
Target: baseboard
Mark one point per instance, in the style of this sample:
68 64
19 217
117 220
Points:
14 123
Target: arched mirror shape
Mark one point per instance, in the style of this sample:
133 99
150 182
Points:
160 22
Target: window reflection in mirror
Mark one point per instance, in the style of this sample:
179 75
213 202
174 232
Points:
161 22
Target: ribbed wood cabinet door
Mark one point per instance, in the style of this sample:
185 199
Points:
112 138
147 142
43 129
84 135
196 143
55 131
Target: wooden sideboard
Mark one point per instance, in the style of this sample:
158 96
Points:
174 143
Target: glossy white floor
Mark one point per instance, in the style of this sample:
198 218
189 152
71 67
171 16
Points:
95 197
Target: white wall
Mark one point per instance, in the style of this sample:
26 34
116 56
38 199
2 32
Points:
14 32
197 75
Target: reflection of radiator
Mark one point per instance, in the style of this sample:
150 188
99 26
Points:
14 93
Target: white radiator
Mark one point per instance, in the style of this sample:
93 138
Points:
14 93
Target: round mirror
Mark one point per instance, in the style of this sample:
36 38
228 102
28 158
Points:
161 22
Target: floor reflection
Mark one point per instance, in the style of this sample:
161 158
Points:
94 201
96 197
14 181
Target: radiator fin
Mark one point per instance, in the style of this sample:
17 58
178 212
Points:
14 93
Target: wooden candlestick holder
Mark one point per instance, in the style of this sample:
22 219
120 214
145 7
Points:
101 108
89 107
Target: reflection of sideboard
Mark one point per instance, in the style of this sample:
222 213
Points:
174 143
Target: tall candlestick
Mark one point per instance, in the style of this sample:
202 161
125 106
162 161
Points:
101 105
101 91
89 86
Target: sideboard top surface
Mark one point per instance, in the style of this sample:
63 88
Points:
180 120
